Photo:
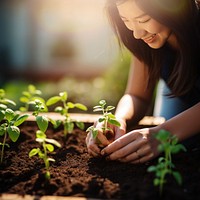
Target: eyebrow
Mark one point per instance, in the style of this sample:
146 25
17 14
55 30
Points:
140 16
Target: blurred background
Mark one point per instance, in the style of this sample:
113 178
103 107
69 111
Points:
61 45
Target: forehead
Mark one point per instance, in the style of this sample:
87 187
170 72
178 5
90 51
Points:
129 9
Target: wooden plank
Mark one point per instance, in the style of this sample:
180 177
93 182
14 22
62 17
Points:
30 197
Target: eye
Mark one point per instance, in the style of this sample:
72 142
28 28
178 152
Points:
144 21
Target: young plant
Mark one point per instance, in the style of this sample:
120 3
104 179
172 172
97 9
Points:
168 145
46 144
9 122
68 122
31 95
107 118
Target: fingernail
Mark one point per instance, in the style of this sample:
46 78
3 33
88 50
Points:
103 153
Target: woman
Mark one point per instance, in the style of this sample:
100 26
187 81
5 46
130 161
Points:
164 38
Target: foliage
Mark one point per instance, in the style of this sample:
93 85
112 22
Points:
46 144
68 122
9 122
169 145
30 96
107 118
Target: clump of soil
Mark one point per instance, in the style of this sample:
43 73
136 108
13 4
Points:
75 173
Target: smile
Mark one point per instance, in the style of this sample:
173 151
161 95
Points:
149 39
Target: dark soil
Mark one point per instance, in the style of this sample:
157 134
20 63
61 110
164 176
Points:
75 173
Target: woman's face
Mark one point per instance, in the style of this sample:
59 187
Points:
143 26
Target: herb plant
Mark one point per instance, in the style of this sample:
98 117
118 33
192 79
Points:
106 118
168 145
29 96
68 122
46 144
9 122
42 152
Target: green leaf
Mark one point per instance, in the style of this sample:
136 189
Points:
151 169
54 142
80 106
34 152
23 109
10 114
101 119
13 132
40 134
63 96
3 107
114 122
50 147
97 109
8 101
51 159
20 120
53 100
70 105
59 109
102 103
42 123
69 126
80 125
2 130
2 115
156 182
56 123
95 133
177 177
24 99
109 108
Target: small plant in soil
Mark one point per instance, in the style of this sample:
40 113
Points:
107 118
30 95
68 122
9 122
45 143
168 145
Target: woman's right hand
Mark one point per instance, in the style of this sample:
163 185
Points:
94 145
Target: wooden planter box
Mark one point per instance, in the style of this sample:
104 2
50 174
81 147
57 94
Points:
138 178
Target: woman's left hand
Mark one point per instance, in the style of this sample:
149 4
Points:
137 146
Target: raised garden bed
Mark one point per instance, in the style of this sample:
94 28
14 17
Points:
75 175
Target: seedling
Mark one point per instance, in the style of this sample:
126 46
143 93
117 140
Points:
168 145
107 118
10 121
29 96
46 144
68 122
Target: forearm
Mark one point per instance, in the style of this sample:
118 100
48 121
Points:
184 125
131 108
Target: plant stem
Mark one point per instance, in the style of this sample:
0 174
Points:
3 146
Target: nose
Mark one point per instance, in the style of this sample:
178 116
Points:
138 33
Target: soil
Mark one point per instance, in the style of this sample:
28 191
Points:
75 173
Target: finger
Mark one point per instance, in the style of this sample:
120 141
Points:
143 159
91 144
102 138
92 153
118 144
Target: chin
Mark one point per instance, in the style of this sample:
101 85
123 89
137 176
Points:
155 46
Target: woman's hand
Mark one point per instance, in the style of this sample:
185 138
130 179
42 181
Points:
137 146
94 145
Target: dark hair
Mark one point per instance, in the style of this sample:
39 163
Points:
183 18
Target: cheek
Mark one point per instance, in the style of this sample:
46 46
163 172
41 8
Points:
155 27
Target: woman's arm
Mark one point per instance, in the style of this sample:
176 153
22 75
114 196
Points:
137 98
183 125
